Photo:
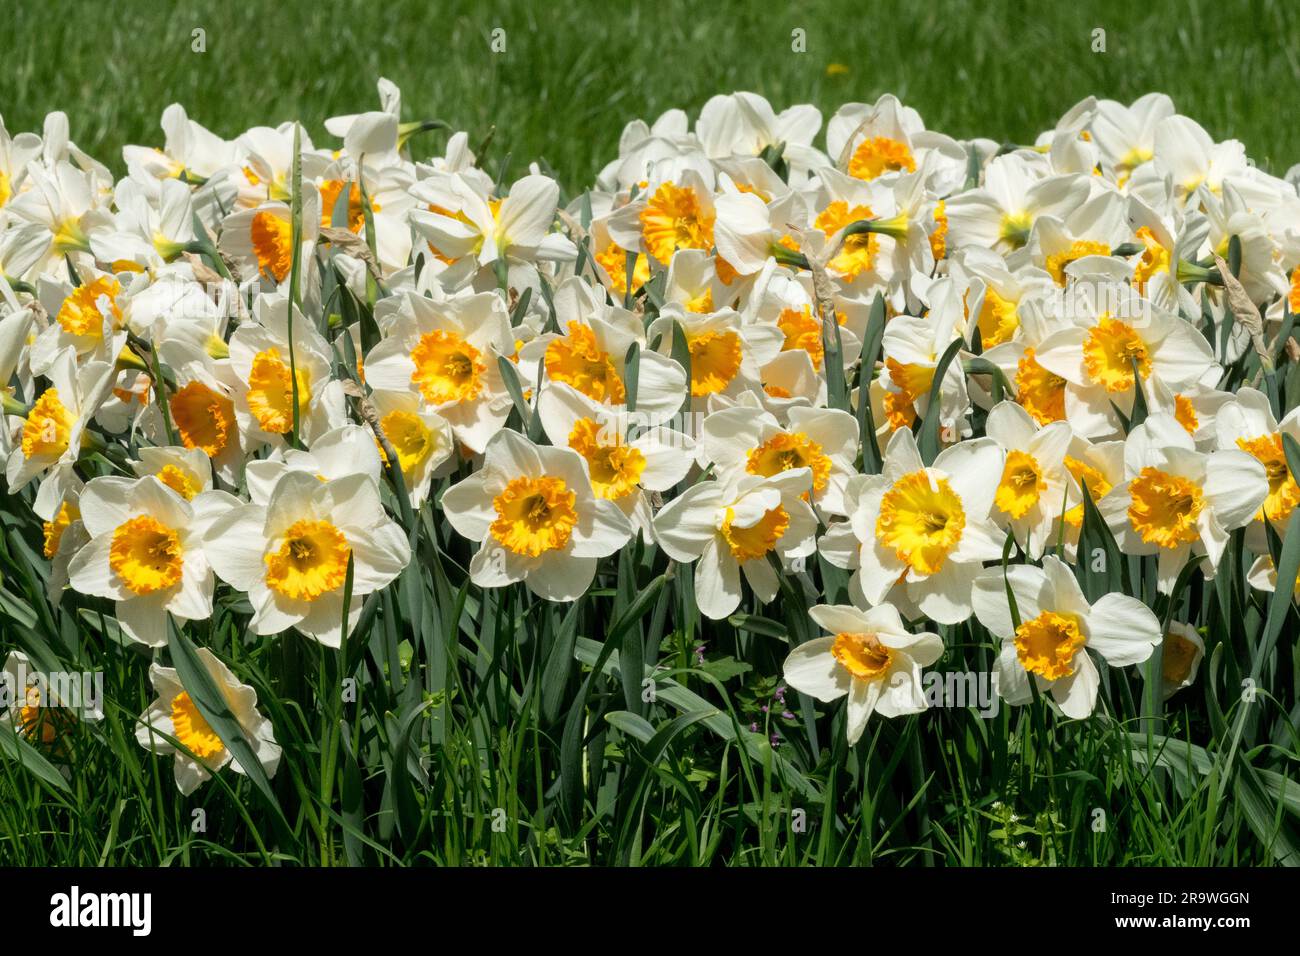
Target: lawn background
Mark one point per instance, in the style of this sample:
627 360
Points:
574 73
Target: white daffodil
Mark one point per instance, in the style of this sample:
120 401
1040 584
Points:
1035 488
1001 214
186 471
591 354
290 555
1057 627
259 241
624 463
870 657
730 528
460 222
727 356
740 441
420 436
918 536
145 553
261 360
1112 329
173 716
672 215
47 441
536 517
448 351
87 318
1246 422
1177 502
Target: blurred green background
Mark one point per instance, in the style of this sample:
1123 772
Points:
574 73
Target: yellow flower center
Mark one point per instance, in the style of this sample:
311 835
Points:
880 154
53 530
715 361
1293 296
145 554
534 515
1165 508
192 730
615 466
922 520
788 450
998 319
312 560
1091 478
80 315
577 359
272 238
1015 228
1041 393
1047 645
1022 483
48 427
447 368
1155 258
410 438
858 253
204 418
1057 262
330 190
758 539
179 480
270 392
1108 354
673 219
802 331
701 304
614 261
862 655
900 409
939 236
912 378
1185 413
1283 493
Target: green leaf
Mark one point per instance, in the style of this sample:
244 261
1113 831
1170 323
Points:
928 440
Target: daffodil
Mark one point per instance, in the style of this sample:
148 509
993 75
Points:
1048 635
447 351
145 553
918 535
48 440
869 657
624 461
1177 502
733 529
174 725
291 554
536 517
1035 488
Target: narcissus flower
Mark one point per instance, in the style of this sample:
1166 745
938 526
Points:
735 528
917 535
870 657
291 554
1053 628
537 518
145 553
1178 502
174 725
48 439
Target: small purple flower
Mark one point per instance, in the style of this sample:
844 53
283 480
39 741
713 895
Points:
780 693
787 715
753 727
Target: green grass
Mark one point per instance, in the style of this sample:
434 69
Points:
496 728
574 73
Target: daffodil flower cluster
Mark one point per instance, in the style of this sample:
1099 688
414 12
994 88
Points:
763 343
